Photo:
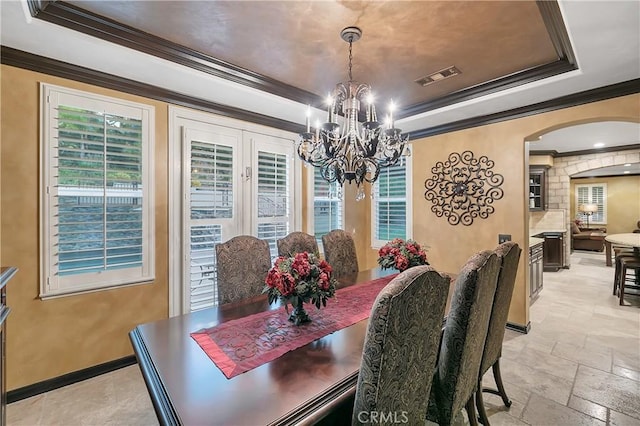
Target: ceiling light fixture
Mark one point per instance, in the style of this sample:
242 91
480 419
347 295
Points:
598 145
627 165
344 148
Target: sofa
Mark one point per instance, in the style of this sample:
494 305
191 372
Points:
587 239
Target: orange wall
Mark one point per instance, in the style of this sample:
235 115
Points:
623 202
49 338
451 246
46 339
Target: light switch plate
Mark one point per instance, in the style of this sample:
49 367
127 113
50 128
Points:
503 238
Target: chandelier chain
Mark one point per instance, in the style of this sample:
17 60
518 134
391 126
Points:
350 59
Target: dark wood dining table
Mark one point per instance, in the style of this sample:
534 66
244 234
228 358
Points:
302 386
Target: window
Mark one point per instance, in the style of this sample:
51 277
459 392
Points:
97 208
273 198
210 202
327 206
391 207
593 194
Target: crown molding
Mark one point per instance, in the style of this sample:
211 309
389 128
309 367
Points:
575 99
21 59
557 154
75 18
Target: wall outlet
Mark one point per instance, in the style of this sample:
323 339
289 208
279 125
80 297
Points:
503 238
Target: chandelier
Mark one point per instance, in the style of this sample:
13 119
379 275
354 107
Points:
344 148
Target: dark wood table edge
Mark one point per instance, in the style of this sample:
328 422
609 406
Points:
165 411
314 410
309 412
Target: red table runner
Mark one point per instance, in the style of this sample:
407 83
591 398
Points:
243 344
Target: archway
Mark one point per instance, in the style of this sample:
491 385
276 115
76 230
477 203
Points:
566 166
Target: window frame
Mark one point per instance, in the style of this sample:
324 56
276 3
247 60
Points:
52 284
375 242
590 186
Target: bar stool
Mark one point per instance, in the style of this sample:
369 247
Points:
619 254
628 264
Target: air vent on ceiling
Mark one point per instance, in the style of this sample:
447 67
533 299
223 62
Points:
437 76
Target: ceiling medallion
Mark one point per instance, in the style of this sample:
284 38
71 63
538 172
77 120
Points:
463 188
344 148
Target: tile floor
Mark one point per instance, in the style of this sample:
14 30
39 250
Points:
579 365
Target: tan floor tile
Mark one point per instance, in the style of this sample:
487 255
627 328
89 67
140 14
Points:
595 359
627 359
615 392
542 411
540 382
548 363
619 419
26 412
625 372
589 408
493 405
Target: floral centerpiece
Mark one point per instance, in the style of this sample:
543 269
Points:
298 279
401 254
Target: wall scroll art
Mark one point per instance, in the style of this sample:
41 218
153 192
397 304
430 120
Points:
463 188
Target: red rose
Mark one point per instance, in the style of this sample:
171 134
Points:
273 278
402 263
288 286
278 261
323 281
301 266
325 267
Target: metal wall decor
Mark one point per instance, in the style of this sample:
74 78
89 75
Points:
463 188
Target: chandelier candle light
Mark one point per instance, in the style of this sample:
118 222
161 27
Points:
352 151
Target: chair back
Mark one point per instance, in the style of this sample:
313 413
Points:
463 338
242 266
297 242
509 254
340 252
401 346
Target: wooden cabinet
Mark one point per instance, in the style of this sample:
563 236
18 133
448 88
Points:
535 270
537 188
553 258
5 276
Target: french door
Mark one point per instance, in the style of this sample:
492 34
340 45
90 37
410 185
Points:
232 182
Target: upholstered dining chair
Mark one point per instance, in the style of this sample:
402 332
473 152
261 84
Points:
465 331
242 266
340 252
509 255
401 346
297 242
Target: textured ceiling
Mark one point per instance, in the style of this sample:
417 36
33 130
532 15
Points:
298 42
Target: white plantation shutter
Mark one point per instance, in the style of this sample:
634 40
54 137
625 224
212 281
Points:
211 198
97 210
593 194
327 206
273 194
390 207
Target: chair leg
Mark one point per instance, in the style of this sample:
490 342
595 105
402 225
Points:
498 378
471 412
480 405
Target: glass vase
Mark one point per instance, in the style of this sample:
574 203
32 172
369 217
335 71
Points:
299 316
